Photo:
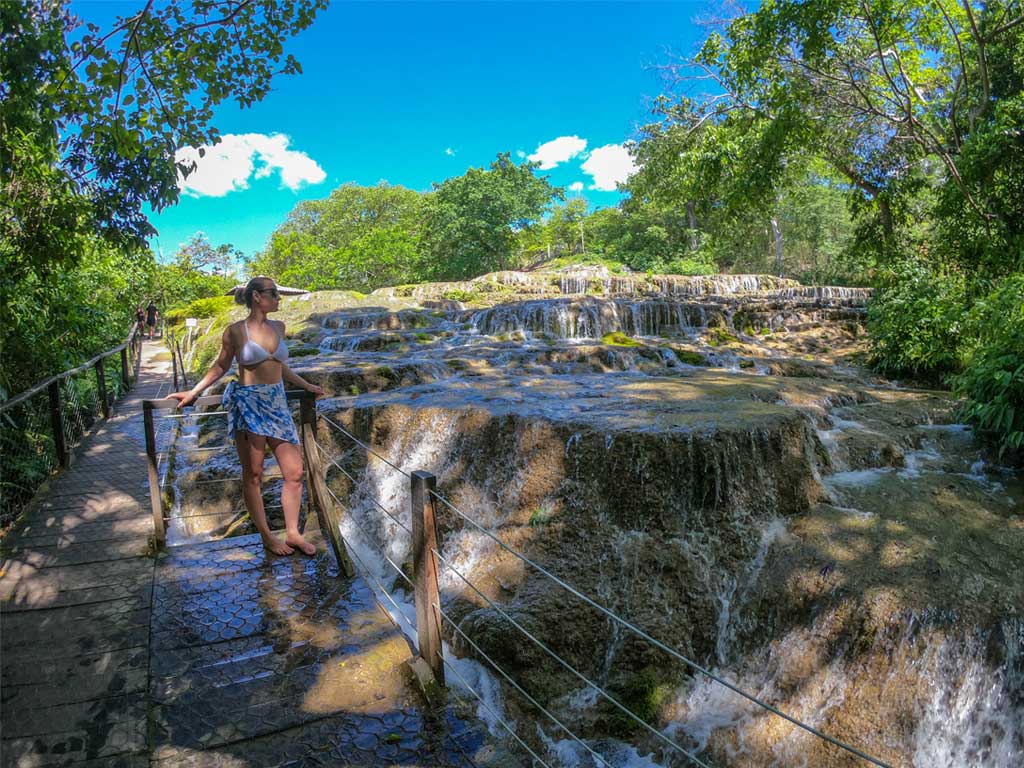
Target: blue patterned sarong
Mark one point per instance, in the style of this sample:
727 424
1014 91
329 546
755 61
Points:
260 409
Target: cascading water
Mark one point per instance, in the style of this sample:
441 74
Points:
694 499
368 530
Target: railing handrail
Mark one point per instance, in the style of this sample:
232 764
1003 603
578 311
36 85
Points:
22 397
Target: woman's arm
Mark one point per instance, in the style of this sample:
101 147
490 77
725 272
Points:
293 378
220 366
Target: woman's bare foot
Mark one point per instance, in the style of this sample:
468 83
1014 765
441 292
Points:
296 540
275 545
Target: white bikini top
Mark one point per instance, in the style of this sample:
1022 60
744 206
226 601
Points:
253 354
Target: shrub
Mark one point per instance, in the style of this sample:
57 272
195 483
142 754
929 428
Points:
199 308
993 380
457 294
916 321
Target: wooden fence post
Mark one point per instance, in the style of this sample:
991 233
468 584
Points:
124 369
428 596
57 423
155 497
174 367
323 503
101 385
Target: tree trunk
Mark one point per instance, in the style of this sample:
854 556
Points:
691 219
885 216
777 240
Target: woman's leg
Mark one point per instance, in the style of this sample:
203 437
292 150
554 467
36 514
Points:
289 459
250 454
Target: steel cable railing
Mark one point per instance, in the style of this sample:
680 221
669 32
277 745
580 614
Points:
564 585
498 718
387 596
380 547
497 668
373 578
657 643
540 644
360 443
380 506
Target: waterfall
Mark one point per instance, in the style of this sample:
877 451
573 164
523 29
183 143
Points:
415 446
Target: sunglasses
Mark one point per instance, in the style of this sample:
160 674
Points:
271 292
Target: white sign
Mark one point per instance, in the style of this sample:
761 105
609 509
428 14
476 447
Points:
191 322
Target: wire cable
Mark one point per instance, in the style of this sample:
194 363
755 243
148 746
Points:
494 714
367 572
657 643
693 758
380 547
359 442
195 414
519 688
380 506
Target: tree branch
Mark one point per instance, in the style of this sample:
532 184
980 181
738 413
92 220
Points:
974 114
127 49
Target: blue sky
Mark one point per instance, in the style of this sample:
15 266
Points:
414 93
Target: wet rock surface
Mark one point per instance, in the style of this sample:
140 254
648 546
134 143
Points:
708 459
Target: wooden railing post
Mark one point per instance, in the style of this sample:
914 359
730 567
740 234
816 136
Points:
124 369
174 367
101 386
323 504
428 596
57 423
155 497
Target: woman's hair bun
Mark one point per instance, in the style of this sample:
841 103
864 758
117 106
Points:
245 296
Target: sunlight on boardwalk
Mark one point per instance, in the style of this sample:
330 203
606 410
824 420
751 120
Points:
210 655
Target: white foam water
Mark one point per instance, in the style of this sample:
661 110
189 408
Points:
464 550
975 715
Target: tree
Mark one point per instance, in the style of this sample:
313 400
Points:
198 271
360 238
200 255
471 220
566 224
92 118
886 93
90 123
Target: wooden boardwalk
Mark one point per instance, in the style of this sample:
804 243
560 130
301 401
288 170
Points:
213 654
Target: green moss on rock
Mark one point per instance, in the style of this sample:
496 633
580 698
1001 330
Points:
642 692
619 339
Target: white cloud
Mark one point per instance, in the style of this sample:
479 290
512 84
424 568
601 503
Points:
551 153
228 165
576 186
449 151
520 154
609 165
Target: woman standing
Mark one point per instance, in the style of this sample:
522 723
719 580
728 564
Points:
258 412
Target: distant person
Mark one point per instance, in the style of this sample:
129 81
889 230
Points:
140 319
257 409
151 315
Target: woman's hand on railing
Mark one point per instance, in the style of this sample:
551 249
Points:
315 390
183 398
